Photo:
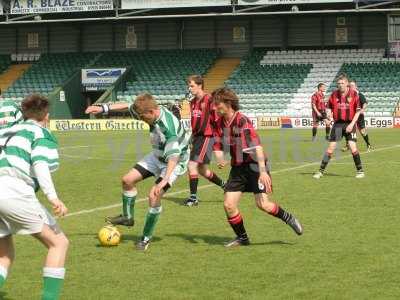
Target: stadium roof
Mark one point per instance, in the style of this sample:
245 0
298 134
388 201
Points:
118 13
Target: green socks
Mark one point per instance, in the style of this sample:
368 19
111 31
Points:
53 280
151 221
128 203
3 275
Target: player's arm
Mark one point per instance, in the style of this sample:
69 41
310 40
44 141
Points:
105 108
43 176
171 164
217 146
350 127
264 179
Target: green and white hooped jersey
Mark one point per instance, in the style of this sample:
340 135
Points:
28 143
168 138
10 114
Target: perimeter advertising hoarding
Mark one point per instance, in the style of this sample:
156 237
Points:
144 4
58 6
271 2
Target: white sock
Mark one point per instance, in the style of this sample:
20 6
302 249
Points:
131 193
3 272
54 272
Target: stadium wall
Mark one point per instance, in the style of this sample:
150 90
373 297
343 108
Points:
281 32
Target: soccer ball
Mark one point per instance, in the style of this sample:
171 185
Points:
109 236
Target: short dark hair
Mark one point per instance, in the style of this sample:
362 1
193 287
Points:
320 84
35 107
197 79
342 77
227 96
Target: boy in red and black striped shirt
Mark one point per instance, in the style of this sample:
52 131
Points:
203 118
318 110
249 172
344 104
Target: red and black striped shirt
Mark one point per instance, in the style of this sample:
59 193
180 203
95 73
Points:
240 136
203 116
344 106
318 99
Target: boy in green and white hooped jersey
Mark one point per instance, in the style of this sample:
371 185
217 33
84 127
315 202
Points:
167 161
28 153
10 113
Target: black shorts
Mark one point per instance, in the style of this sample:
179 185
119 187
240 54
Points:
244 179
361 122
201 150
321 118
338 131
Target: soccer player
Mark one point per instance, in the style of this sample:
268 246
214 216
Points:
318 111
28 155
166 162
344 104
249 172
361 120
203 116
10 113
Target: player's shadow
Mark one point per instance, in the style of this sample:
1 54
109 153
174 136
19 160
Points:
196 238
272 243
128 238
221 240
181 201
325 174
3 296
176 200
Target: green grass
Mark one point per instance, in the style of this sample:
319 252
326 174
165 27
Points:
350 248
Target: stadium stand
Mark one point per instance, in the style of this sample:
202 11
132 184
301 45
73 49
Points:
280 83
379 83
266 89
5 62
160 72
50 71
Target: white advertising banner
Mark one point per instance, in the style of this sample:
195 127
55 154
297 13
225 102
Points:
143 4
271 2
371 122
1 7
58 6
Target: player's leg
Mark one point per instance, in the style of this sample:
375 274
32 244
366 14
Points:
155 207
235 186
327 129
364 133
356 159
142 170
325 159
235 219
7 254
314 126
193 172
200 154
335 136
53 271
327 125
210 175
263 203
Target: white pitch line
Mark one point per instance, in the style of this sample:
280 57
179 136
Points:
88 211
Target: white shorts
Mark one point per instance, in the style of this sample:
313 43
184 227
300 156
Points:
20 210
152 164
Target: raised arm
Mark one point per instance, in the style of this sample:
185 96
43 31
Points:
107 107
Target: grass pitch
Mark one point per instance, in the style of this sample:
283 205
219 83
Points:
350 248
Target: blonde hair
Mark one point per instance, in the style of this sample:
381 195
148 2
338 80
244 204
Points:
145 102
